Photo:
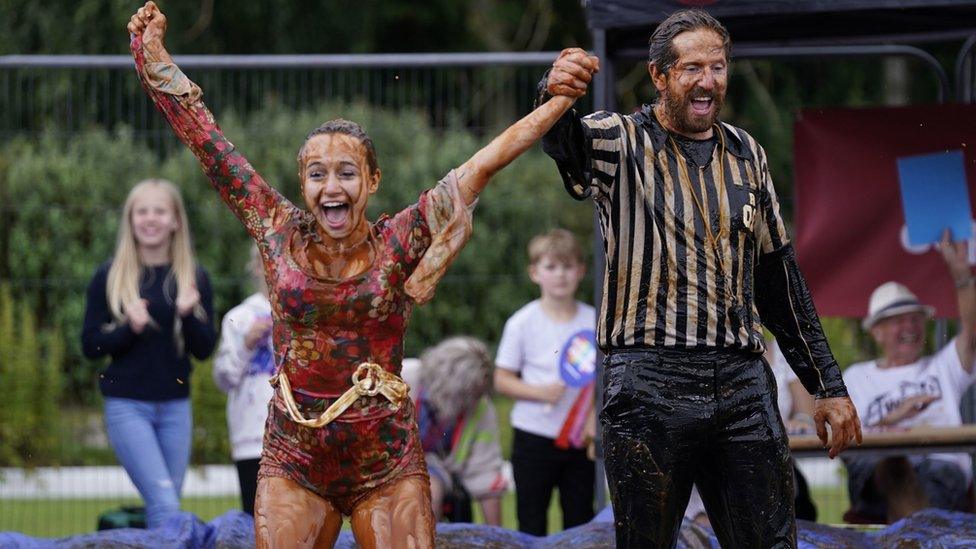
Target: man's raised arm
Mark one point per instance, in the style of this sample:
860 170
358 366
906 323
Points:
570 75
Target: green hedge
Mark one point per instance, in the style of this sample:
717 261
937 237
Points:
59 205
61 200
30 386
210 440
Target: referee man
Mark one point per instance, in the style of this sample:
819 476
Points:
698 260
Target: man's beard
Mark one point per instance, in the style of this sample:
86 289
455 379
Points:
679 113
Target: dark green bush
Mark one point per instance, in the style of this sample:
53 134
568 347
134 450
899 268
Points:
30 386
62 199
210 440
59 206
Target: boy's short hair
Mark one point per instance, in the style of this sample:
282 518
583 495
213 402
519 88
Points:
559 244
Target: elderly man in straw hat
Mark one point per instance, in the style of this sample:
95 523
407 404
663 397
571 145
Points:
905 389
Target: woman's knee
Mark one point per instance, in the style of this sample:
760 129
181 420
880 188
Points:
286 514
397 515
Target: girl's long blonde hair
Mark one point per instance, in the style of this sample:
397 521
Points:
126 271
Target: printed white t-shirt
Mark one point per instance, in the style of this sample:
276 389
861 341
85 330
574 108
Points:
532 345
876 392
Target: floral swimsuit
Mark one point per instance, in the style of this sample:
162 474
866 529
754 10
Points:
324 328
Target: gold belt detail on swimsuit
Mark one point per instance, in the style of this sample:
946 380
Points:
368 380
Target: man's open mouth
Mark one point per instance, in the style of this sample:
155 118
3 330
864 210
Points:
702 105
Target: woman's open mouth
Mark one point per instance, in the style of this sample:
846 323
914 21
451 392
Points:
336 214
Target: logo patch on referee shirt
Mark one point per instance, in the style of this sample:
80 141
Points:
749 213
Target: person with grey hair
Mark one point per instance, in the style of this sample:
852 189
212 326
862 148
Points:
698 262
903 388
451 387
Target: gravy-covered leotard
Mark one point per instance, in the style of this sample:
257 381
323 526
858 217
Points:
324 328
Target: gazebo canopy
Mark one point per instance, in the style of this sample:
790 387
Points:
785 28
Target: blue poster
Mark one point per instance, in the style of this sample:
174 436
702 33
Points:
935 197
577 362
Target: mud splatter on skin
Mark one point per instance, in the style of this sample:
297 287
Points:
339 264
288 515
516 139
396 516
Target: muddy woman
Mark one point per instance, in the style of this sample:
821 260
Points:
341 438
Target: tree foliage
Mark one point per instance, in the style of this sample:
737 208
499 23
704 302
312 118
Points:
67 194
301 26
30 386
211 443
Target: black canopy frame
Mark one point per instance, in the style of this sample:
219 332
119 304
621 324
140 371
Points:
798 29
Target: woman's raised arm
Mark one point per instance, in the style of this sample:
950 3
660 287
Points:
474 174
253 201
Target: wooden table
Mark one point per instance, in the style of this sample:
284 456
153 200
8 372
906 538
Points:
919 440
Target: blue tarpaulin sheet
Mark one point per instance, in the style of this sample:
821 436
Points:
930 528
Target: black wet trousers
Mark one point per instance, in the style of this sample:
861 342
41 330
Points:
674 417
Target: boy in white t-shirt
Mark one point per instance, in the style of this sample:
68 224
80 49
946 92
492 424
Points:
546 361
904 389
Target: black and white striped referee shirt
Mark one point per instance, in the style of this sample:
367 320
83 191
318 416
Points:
670 280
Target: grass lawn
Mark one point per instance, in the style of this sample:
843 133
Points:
58 518
831 504
53 518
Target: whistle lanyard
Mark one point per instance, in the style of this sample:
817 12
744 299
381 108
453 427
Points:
724 262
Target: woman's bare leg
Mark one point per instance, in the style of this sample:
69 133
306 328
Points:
288 515
396 516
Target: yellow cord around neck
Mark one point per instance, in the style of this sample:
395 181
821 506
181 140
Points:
725 262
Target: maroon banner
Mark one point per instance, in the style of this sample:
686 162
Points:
850 234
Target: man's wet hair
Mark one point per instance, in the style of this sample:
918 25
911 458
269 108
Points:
660 48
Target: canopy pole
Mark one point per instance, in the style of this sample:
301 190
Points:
964 70
603 100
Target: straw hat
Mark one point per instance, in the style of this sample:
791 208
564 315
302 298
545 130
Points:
890 299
